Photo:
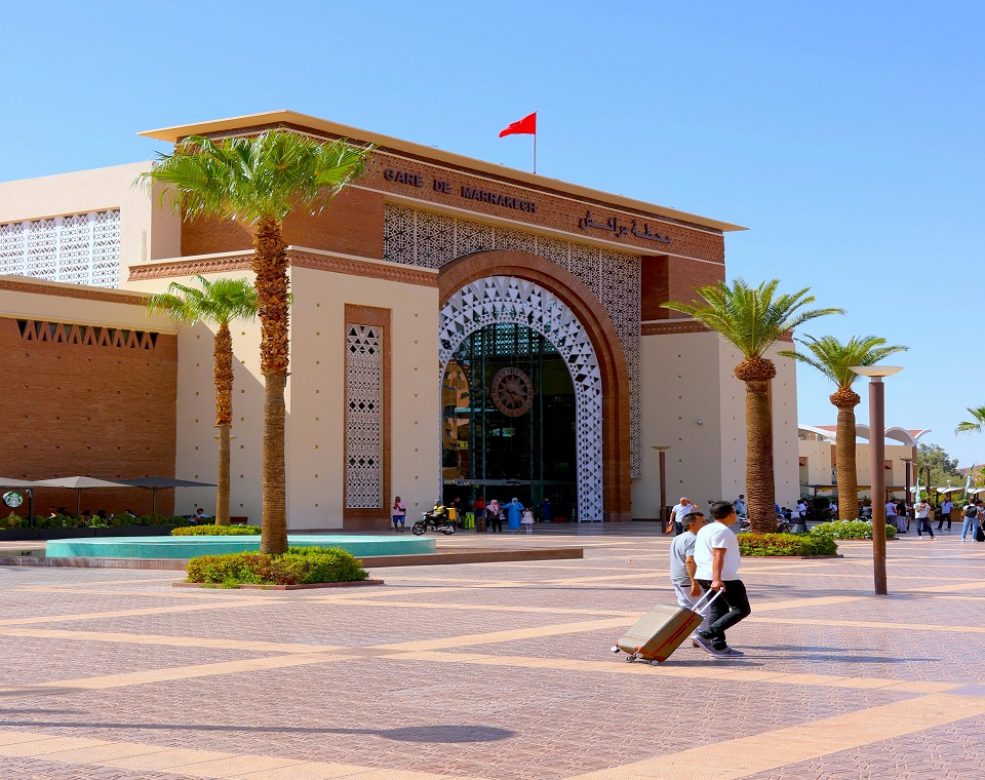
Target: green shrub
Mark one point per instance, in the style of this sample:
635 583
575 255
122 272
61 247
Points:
298 566
13 520
216 530
763 545
849 529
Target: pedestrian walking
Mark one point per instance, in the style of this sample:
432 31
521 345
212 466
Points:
494 516
527 521
683 568
398 514
716 555
921 513
740 506
681 508
971 514
892 518
945 514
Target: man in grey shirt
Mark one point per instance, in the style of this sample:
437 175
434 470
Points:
682 566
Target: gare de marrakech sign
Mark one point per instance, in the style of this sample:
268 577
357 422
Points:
612 225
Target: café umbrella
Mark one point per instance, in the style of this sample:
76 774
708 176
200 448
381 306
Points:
157 483
78 484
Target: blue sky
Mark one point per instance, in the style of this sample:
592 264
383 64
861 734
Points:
847 136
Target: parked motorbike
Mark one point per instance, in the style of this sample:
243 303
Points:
429 522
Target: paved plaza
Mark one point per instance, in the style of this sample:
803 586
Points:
499 671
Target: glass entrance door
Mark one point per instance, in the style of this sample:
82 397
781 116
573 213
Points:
508 414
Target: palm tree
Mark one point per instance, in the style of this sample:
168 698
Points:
976 424
835 361
258 182
217 303
753 319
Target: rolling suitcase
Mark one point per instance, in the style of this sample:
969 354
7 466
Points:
660 631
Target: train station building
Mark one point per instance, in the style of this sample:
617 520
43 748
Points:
458 329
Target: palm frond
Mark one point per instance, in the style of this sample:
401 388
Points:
248 179
977 422
219 301
751 318
835 359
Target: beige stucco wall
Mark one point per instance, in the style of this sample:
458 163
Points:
689 377
195 443
315 428
818 454
147 230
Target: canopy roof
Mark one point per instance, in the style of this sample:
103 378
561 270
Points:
9 482
908 436
164 482
79 483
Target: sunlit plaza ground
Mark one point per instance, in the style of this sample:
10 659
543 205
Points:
499 671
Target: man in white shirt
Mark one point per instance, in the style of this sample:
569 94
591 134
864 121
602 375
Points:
716 555
681 508
921 513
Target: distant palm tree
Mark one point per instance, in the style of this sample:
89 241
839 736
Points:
217 303
258 182
835 361
977 422
753 319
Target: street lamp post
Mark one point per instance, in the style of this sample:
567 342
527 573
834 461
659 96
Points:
907 464
662 450
877 464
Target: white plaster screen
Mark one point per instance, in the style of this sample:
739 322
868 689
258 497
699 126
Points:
364 417
78 248
501 299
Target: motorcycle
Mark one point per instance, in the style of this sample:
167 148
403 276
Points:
429 522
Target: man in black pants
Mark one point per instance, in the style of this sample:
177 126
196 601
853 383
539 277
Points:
716 554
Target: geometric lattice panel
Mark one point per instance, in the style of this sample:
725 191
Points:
429 240
364 417
78 248
506 299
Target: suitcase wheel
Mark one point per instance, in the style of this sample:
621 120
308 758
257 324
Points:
654 662
631 658
614 649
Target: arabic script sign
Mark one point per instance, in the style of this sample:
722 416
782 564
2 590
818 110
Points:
618 229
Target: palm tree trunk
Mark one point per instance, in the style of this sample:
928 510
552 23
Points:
223 362
270 265
757 374
846 473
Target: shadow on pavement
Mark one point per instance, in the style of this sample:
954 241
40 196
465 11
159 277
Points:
445 733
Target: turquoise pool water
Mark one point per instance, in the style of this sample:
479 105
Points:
189 546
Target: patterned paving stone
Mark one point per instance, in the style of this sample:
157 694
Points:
496 683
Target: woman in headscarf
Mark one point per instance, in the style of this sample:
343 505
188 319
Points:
514 511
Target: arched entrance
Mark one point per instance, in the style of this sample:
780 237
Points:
492 301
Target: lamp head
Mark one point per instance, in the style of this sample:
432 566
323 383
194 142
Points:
876 371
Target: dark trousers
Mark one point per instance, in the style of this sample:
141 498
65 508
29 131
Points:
923 524
941 518
495 522
725 611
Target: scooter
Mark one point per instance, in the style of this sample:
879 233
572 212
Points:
429 522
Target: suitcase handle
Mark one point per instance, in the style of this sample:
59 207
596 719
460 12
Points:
703 604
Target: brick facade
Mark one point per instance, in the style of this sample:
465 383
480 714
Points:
88 408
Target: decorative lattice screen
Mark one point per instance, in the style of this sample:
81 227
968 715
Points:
364 417
78 248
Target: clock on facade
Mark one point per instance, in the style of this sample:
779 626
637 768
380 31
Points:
512 391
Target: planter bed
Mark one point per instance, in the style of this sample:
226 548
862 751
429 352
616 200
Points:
279 587
34 534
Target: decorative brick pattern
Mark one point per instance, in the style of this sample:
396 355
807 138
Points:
364 417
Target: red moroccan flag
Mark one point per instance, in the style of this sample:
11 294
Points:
525 126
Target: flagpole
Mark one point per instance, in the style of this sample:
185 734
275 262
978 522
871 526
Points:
535 152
